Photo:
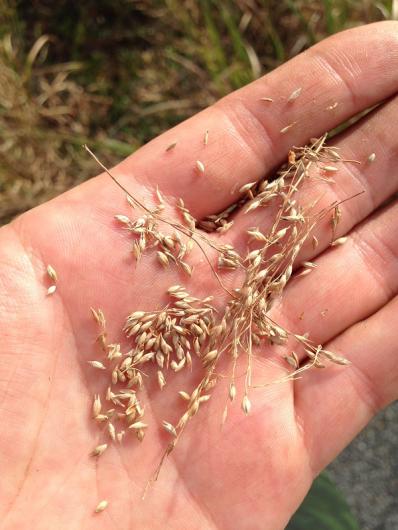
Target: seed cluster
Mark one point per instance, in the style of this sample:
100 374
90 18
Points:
167 339
189 330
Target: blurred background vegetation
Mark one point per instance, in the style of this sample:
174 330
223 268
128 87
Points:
115 73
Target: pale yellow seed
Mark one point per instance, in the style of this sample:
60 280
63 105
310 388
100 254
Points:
339 241
210 356
52 273
308 265
96 406
185 396
138 425
224 415
51 290
171 146
97 364
295 94
200 166
99 450
246 405
101 506
206 138
101 417
372 157
168 427
284 130
112 431
269 100
330 169
163 259
232 391
161 379
123 219
246 187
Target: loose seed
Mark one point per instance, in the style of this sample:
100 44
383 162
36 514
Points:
51 290
339 241
138 425
246 405
171 146
372 157
123 219
284 130
168 427
97 364
96 406
206 138
246 187
330 169
101 506
99 450
52 273
112 431
295 94
200 166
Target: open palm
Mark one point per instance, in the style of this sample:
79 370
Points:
254 472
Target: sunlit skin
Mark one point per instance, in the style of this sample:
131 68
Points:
253 473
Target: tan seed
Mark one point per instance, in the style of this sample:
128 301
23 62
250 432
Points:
138 425
246 405
97 364
51 290
171 146
96 406
52 273
284 130
101 506
339 241
168 427
200 166
295 94
99 450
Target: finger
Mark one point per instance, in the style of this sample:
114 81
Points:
349 284
337 403
378 180
245 140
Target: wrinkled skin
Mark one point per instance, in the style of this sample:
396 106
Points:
253 473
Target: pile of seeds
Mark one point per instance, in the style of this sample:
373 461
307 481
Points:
188 330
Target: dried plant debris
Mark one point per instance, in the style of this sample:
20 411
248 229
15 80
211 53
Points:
188 333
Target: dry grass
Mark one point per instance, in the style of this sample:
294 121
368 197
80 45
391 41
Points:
188 333
155 64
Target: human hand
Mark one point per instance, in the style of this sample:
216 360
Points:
253 473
